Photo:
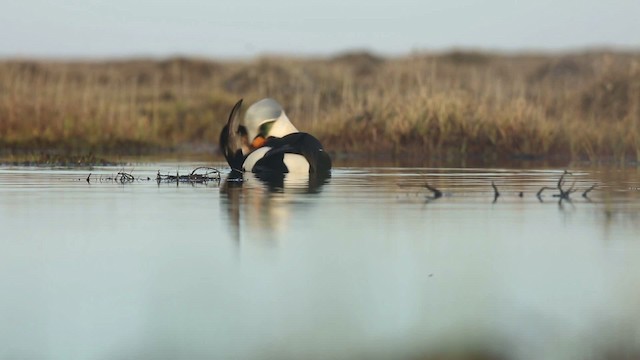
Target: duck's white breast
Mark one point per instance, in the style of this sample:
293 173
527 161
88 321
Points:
253 158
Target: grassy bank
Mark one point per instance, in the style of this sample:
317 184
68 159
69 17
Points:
450 105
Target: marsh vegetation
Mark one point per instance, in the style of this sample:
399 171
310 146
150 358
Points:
447 105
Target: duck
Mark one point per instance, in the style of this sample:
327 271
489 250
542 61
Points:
268 142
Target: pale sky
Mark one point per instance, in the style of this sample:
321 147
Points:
246 28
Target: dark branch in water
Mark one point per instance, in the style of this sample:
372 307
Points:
124 177
199 175
539 193
564 194
586 192
561 180
496 193
495 189
436 193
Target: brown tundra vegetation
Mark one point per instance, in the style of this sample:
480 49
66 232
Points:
453 105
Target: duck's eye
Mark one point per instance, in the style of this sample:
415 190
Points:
265 128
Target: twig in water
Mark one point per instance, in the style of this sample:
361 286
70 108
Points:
209 174
124 177
495 189
586 192
561 180
436 193
200 174
539 193
564 194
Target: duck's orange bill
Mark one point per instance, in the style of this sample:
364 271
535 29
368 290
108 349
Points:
258 142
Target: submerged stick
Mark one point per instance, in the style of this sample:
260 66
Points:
207 174
539 193
495 190
496 193
586 192
564 194
436 193
200 174
124 177
561 180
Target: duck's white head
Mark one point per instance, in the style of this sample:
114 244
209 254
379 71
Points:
266 118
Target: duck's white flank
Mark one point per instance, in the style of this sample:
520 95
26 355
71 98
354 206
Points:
253 158
296 163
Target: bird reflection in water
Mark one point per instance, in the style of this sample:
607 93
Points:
260 206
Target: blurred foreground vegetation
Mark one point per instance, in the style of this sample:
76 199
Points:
426 106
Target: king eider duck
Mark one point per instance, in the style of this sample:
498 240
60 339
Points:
267 141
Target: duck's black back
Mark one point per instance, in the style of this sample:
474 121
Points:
297 143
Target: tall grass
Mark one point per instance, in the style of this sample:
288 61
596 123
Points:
457 104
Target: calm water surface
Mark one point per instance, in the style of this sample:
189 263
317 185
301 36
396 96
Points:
366 265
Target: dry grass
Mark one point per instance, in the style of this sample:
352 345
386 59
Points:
451 105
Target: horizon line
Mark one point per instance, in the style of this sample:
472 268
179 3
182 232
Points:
331 54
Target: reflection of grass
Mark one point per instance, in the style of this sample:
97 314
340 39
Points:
447 106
